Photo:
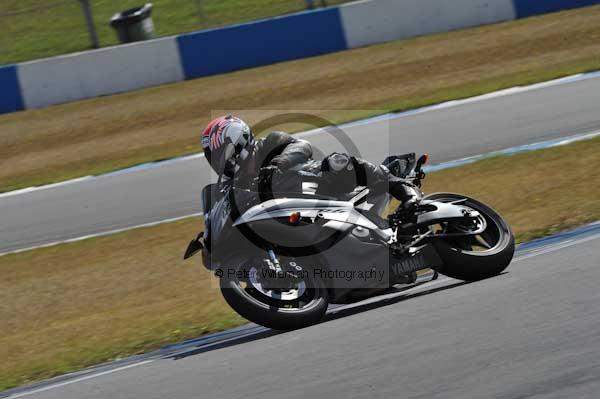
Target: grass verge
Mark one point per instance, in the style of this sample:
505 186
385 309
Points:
58 27
74 305
103 134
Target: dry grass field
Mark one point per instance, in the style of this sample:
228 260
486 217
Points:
74 305
94 136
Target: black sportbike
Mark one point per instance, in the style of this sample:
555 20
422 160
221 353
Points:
281 258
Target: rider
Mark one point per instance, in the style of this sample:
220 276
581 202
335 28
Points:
232 151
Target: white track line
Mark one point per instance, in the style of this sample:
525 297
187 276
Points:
75 380
455 103
389 116
551 248
556 247
434 168
104 233
45 187
542 145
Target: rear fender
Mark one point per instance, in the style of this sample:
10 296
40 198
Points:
443 212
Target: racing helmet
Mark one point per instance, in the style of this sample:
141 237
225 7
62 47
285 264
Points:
224 140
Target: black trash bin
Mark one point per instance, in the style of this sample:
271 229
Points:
134 24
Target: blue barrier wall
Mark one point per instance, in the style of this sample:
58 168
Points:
137 65
527 8
11 99
261 43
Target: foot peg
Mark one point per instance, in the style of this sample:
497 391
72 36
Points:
195 245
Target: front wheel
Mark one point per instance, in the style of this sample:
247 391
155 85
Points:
474 257
302 303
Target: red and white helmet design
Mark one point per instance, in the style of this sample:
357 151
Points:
225 130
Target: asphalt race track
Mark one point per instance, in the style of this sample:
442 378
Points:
530 332
128 199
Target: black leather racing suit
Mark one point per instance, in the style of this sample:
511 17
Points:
280 154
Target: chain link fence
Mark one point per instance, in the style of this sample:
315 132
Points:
34 29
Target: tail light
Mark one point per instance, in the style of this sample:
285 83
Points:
294 217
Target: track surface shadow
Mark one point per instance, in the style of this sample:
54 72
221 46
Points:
333 315
388 301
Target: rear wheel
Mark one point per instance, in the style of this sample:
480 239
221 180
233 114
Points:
301 302
474 256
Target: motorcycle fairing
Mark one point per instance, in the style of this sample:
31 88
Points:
342 211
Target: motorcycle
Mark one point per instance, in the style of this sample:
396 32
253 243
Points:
282 258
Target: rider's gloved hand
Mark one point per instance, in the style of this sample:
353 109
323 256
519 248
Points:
265 175
267 172
265 181
410 204
407 194
404 192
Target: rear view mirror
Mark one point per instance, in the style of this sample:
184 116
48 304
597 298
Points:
422 161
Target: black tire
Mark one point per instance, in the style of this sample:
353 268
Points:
462 264
271 316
